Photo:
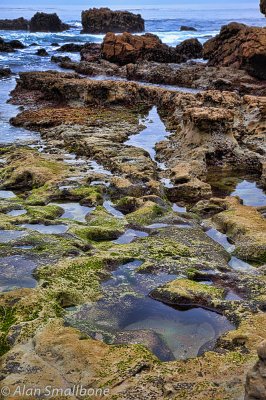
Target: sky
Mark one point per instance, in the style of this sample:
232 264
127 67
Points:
118 4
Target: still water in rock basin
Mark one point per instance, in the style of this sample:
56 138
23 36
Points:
154 132
74 211
16 272
126 314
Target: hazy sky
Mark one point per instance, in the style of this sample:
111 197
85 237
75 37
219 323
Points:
85 4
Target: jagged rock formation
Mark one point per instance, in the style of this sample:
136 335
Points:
42 22
239 46
127 48
18 24
103 20
256 377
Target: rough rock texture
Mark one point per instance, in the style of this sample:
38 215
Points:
90 52
256 377
208 129
249 238
42 22
263 7
103 20
18 24
127 48
71 47
239 46
191 48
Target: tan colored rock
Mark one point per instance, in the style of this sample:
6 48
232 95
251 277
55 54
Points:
256 378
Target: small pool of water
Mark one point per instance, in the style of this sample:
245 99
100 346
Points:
16 272
47 229
179 209
157 226
8 236
246 187
240 265
220 238
250 193
74 211
16 213
7 194
108 205
129 236
126 314
153 133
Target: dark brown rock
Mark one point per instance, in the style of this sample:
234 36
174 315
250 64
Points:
18 24
90 52
127 48
103 20
71 47
190 48
42 53
42 22
60 59
4 72
16 44
5 47
187 28
239 46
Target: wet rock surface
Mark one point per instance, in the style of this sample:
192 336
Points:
103 20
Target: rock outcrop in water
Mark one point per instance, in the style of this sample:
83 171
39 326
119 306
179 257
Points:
11 46
18 24
103 20
239 46
43 22
127 48
256 377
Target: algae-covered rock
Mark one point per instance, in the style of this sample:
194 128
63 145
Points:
187 292
246 227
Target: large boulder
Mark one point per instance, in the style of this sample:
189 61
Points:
103 20
42 22
256 378
18 24
127 48
263 7
238 46
190 48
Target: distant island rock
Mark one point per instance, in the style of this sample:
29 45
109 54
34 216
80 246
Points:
18 24
187 28
104 20
42 22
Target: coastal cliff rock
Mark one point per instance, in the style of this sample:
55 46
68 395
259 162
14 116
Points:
239 46
256 377
103 20
263 7
127 48
42 22
18 24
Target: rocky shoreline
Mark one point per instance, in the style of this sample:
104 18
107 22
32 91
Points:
101 228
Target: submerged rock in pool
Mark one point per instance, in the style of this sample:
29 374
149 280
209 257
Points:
152 340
